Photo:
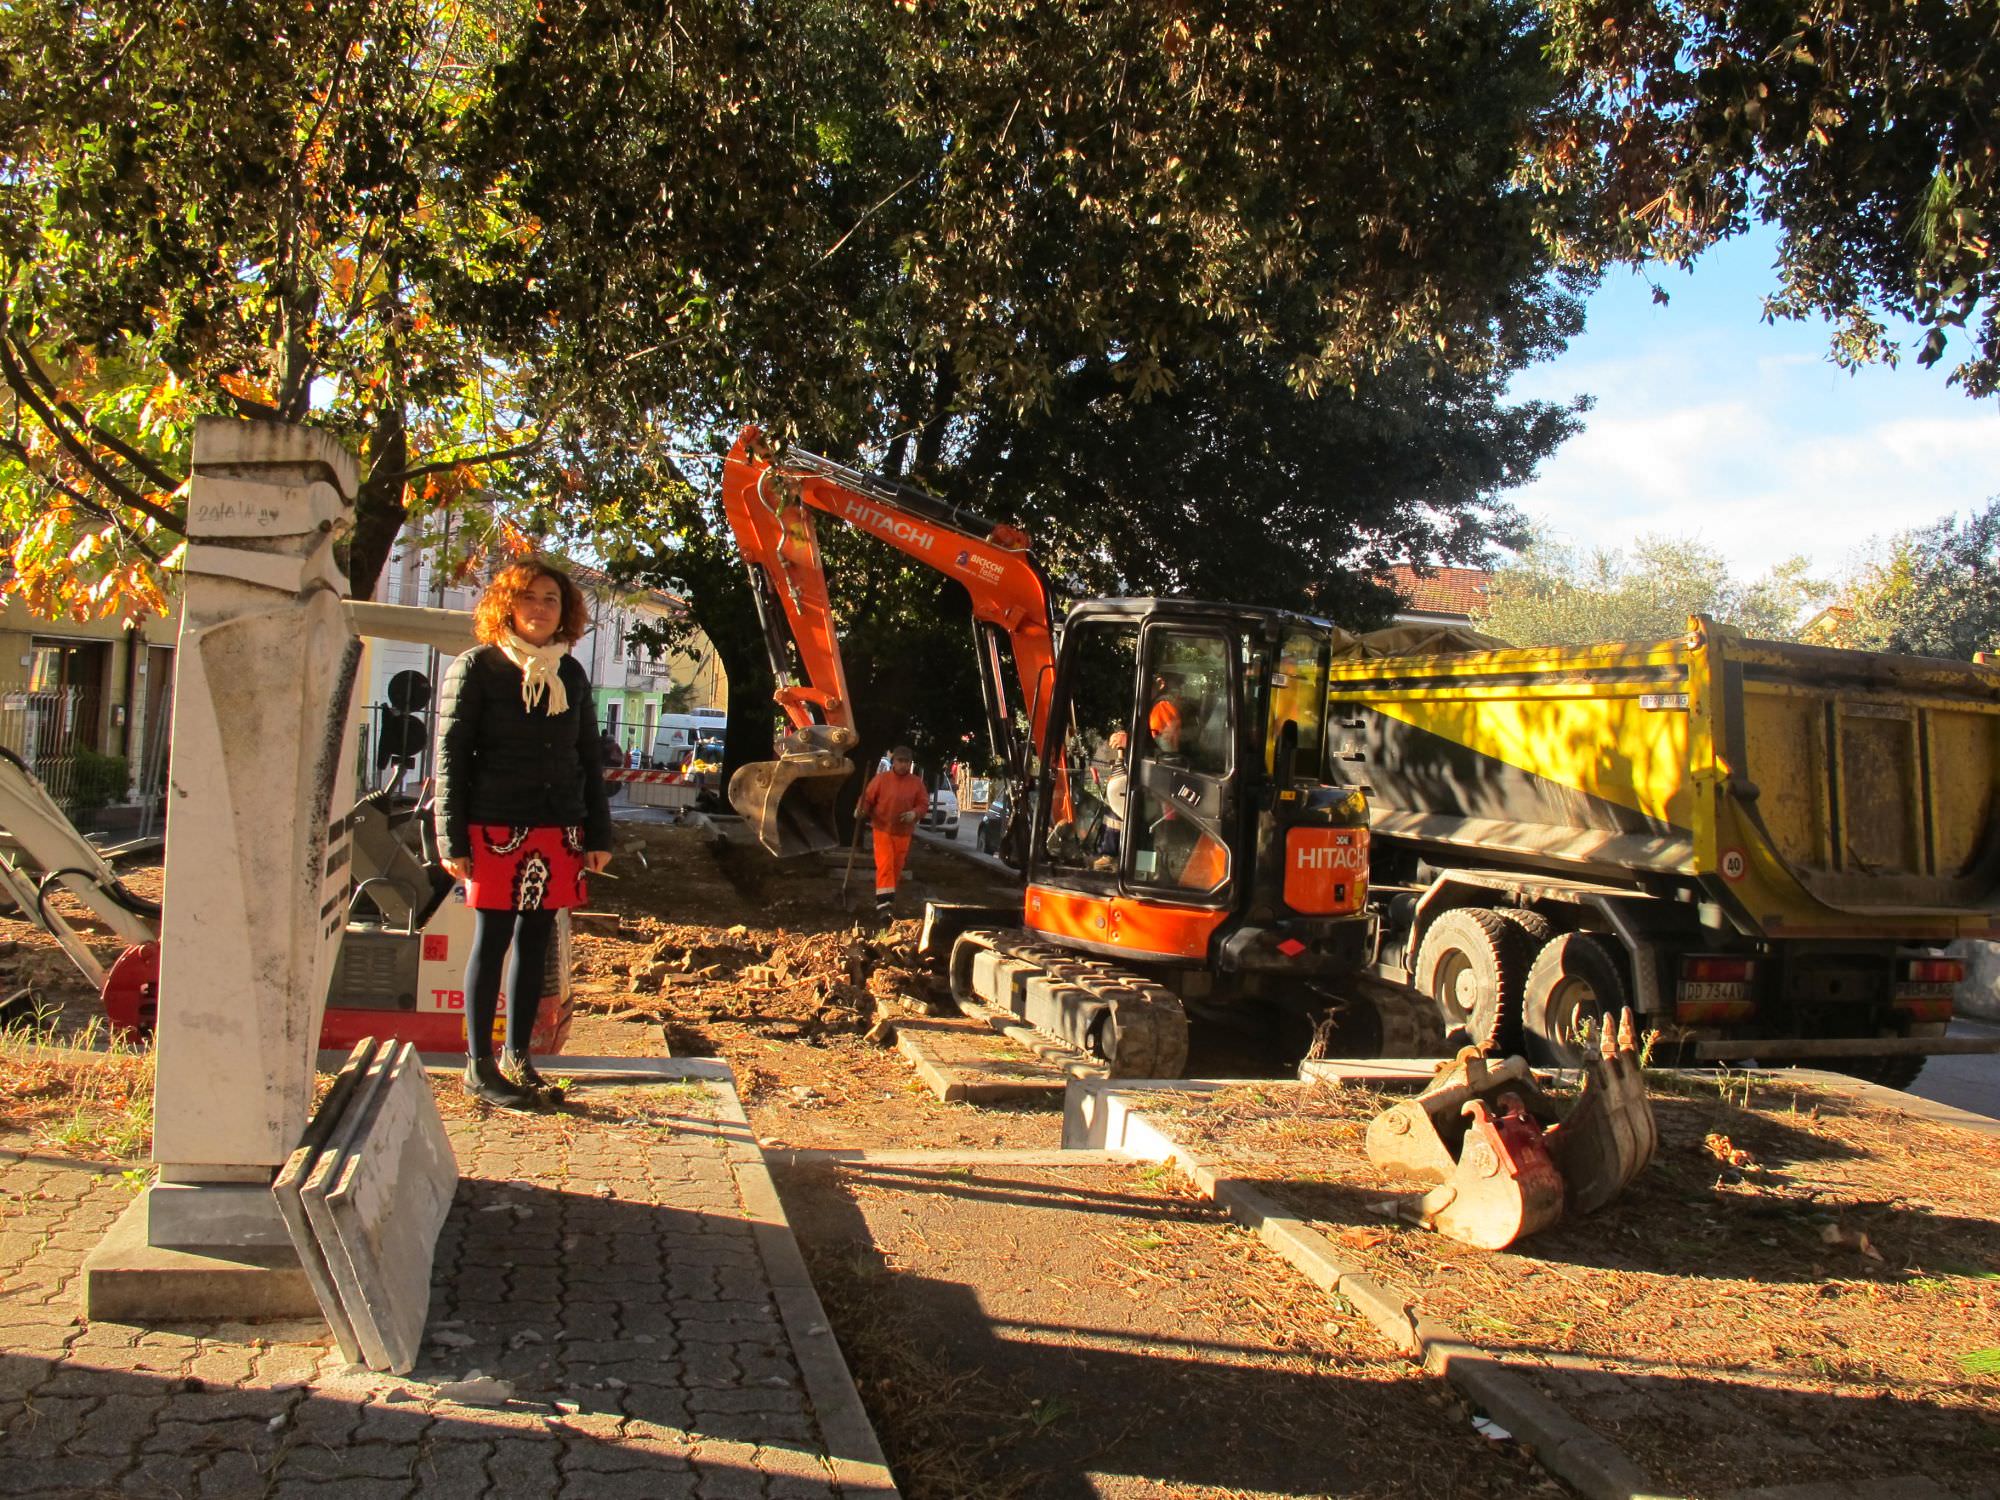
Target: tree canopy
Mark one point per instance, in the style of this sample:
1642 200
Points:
1869 134
1207 300
1552 595
1930 591
230 205
949 240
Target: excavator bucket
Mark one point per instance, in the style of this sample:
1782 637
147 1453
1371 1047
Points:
1476 1131
1506 1158
1504 1185
1610 1135
790 801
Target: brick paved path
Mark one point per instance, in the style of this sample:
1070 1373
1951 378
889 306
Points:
612 1274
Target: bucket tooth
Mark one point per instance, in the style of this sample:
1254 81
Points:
1610 1136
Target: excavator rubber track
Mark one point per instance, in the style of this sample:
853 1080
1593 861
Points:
1135 1026
1372 1018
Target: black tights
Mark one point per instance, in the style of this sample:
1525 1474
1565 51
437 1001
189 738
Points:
519 941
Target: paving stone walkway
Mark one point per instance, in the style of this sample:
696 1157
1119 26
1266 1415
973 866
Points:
634 1282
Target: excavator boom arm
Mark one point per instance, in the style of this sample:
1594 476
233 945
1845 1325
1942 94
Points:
769 502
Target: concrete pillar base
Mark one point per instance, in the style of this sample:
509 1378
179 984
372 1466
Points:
199 1215
128 1279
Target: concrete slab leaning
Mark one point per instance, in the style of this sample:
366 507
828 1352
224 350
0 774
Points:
377 1211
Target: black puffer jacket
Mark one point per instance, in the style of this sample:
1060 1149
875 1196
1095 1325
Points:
499 763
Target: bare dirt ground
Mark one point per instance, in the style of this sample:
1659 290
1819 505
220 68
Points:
1094 1331
1794 1262
1099 1332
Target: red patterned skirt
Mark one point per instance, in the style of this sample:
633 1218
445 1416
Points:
525 869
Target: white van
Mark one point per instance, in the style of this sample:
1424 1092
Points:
677 735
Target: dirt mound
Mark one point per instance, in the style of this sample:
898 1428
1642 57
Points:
787 984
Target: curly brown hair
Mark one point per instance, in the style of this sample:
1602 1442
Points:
493 615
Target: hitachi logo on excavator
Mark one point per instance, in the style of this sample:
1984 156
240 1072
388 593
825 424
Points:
1338 857
863 514
1326 871
1343 852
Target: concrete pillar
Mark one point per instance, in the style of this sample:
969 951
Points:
257 848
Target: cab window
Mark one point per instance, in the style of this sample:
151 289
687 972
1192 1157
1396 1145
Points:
1088 785
1298 697
1178 807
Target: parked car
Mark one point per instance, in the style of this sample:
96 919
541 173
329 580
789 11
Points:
992 834
943 815
992 824
704 766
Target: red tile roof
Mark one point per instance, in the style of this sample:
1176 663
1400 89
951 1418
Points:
1446 591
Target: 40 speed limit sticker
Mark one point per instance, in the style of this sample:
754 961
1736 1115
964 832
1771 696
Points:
1734 865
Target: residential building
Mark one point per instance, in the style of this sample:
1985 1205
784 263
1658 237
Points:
1438 596
72 689
632 685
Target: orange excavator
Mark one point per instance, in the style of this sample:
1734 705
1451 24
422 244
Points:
1180 844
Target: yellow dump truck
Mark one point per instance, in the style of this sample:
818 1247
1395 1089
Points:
1762 846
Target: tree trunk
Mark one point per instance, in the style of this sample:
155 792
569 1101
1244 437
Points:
379 514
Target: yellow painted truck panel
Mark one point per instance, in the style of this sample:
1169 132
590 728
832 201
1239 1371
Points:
1812 791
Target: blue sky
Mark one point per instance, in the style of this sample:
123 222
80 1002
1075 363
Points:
1711 423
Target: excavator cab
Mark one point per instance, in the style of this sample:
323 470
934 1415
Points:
1184 817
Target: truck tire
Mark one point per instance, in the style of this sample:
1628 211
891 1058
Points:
1471 965
1537 928
1574 982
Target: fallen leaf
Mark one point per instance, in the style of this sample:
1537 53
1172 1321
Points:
1728 1152
1849 1239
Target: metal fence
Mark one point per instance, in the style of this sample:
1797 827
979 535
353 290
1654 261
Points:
53 733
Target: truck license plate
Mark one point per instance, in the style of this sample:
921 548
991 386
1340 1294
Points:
1714 989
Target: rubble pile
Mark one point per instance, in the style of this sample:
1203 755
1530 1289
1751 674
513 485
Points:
782 983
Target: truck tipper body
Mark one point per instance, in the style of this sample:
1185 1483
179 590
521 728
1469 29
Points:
1766 845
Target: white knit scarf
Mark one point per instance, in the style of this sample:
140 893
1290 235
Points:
539 673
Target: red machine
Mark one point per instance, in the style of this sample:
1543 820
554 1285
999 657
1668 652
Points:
401 959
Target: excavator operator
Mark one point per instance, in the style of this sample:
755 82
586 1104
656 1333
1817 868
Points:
1163 720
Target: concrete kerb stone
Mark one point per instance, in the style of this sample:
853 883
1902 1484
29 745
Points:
859 1465
611 1071
1096 1116
1046 1076
1884 1097
975 1156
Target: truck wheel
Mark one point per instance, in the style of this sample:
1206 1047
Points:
1470 965
1572 987
1537 928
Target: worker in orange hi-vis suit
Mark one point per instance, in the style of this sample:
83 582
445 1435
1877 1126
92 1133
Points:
892 802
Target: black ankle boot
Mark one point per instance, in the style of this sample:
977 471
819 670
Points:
521 1068
485 1082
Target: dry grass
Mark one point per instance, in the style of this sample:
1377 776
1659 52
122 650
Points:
88 1096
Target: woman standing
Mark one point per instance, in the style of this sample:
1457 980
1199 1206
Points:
521 807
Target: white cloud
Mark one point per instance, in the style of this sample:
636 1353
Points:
1762 455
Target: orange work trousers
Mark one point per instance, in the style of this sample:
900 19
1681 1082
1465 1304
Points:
891 849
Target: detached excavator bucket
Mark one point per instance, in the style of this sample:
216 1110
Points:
1477 1132
1610 1135
790 801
